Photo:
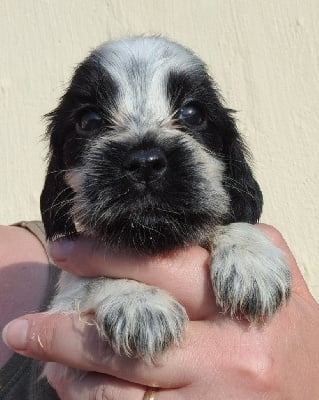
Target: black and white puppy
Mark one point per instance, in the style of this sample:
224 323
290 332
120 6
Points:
145 158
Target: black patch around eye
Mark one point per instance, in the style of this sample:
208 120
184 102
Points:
185 89
89 121
190 98
192 114
90 97
177 86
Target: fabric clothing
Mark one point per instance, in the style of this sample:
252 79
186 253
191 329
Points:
19 378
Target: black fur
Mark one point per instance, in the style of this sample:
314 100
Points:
221 136
168 213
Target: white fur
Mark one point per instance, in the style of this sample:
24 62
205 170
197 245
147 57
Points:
140 67
248 272
124 309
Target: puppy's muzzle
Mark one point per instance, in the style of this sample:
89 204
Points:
145 165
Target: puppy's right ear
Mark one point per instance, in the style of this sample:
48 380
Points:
57 197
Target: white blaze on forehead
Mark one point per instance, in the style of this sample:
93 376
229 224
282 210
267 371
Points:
140 67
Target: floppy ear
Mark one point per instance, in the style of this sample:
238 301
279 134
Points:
56 197
245 194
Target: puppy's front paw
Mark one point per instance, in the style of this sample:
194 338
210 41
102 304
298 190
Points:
249 274
141 323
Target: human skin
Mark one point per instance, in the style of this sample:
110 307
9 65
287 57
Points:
219 359
23 266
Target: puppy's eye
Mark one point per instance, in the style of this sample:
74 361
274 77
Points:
89 121
192 114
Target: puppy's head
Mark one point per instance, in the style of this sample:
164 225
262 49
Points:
143 155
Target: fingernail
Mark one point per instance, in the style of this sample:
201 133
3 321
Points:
60 249
15 334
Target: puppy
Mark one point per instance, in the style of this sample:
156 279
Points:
145 158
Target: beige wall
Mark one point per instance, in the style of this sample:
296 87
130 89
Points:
263 54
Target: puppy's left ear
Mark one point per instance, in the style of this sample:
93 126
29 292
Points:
56 197
55 202
245 194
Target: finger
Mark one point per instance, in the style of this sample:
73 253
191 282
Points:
183 273
67 340
95 386
299 285
217 347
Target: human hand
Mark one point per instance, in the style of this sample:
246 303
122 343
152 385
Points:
220 358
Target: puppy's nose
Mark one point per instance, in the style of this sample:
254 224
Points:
146 165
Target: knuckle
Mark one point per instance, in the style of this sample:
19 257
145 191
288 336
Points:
101 393
274 234
259 373
114 390
46 337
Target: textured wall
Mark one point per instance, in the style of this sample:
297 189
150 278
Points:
263 54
